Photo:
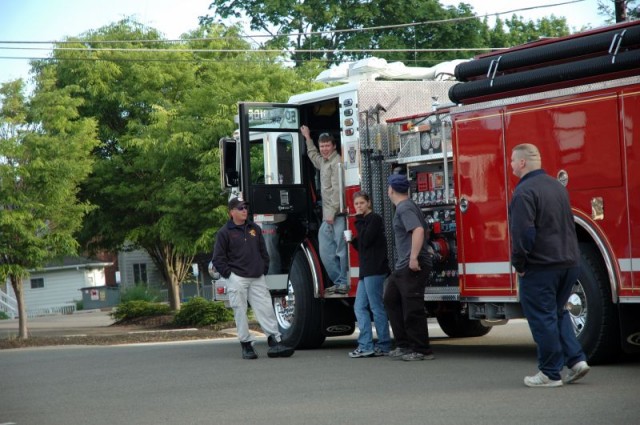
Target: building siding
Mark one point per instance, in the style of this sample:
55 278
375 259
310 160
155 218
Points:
61 287
126 261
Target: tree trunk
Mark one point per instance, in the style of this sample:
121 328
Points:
16 284
621 10
173 267
174 294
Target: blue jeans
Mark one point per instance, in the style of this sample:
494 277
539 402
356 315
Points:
271 240
369 296
333 250
543 296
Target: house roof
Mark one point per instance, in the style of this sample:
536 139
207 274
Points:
74 263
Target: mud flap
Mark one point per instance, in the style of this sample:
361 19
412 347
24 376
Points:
338 318
630 327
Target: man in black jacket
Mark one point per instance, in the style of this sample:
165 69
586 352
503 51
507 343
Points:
241 257
545 255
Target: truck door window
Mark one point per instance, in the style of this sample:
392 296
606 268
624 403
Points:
284 148
273 159
256 154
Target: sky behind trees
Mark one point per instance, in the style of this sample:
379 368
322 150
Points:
38 20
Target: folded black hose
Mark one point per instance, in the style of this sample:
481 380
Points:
556 51
552 74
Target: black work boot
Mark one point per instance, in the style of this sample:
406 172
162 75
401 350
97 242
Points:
277 348
248 352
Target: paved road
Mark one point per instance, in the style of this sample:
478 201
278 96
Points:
473 381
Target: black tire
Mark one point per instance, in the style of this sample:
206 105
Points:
458 325
299 312
593 314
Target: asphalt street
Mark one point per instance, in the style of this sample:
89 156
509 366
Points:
472 381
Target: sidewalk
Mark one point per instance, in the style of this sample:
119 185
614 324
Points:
84 322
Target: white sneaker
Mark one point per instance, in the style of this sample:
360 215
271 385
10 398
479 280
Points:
541 380
358 353
577 371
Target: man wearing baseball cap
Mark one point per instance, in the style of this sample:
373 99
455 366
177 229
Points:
404 294
241 257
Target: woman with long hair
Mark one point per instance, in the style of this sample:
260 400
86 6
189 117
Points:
371 244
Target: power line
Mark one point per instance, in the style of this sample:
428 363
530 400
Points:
217 60
381 27
438 21
280 51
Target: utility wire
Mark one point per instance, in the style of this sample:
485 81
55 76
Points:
200 60
280 51
381 27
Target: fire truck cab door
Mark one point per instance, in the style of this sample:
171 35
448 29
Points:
481 180
271 158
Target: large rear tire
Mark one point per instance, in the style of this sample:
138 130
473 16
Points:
299 312
593 314
458 325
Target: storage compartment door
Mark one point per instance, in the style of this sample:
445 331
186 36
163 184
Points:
480 171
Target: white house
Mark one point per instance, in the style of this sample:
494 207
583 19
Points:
137 267
56 288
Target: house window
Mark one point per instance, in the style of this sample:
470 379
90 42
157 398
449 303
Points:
37 283
140 273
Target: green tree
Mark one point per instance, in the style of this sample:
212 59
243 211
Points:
45 153
395 30
519 31
161 110
329 26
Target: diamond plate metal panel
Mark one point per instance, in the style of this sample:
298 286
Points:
379 101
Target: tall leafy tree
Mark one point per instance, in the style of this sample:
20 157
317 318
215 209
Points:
161 109
335 25
45 153
520 31
146 182
395 30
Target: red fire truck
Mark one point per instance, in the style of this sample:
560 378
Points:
577 98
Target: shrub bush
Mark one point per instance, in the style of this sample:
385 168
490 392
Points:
201 312
3 315
139 293
139 308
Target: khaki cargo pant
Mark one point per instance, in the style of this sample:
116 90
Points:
254 291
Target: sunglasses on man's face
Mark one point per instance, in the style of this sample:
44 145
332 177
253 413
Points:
242 208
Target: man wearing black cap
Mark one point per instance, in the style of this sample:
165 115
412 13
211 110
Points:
404 294
241 257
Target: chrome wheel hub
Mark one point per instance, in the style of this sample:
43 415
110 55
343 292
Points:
284 307
577 308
